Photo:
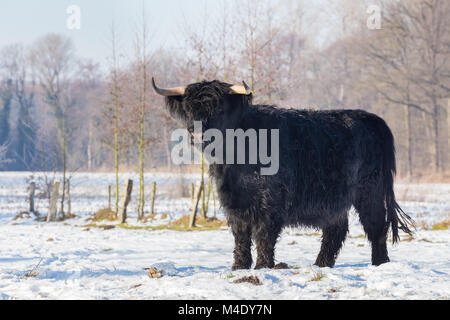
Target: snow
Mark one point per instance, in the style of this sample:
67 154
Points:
72 262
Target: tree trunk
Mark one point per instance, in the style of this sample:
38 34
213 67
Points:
141 200
69 202
89 146
128 187
63 150
152 209
203 195
192 195
442 139
31 198
410 140
193 216
53 207
437 150
116 168
109 197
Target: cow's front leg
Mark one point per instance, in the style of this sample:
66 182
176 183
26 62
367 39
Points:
333 237
242 244
266 236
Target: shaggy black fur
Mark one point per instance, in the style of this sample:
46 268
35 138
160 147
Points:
329 161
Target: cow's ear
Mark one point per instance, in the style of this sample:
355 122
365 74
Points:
241 89
248 99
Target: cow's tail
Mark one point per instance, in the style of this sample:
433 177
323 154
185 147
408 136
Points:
396 218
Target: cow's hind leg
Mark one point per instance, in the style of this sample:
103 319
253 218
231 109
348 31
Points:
266 236
242 244
333 237
372 214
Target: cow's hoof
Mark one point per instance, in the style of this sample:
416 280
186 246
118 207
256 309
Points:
377 262
322 263
264 265
281 265
239 267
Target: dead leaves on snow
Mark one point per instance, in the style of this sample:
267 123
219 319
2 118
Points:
154 272
250 279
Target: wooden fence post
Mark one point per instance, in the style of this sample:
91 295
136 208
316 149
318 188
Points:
192 218
31 198
152 211
128 187
53 207
69 201
192 195
109 197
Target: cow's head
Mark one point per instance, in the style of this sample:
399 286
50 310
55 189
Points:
211 102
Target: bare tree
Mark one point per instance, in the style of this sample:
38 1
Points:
114 110
52 58
407 64
142 104
3 158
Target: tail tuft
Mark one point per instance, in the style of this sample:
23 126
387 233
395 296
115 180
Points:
396 217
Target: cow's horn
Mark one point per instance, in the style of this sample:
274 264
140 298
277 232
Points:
241 89
168 92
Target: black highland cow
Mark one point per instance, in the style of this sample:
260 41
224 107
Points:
328 161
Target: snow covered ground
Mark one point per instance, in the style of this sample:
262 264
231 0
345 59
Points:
65 260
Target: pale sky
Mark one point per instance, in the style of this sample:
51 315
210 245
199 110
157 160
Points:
25 21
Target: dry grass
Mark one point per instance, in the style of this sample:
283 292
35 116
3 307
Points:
359 236
34 272
408 238
66 217
181 224
149 217
311 234
154 216
154 272
426 177
441 225
317 276
100 226
421 224
103 214
22 215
